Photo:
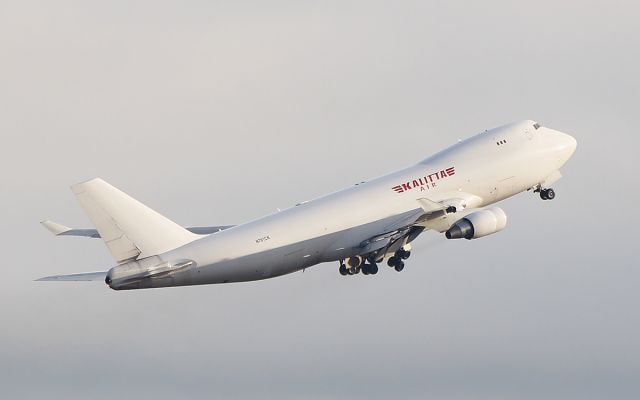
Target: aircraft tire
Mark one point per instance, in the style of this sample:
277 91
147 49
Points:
373 269
343 270
551 194
543 194
392 261
399 266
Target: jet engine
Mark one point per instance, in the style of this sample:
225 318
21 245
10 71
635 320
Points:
478 224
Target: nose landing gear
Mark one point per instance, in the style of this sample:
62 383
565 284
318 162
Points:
547 194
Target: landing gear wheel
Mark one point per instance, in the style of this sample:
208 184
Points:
551 194
343 270
365 269
392 261
547 194
405 254
352 271
399 266
543 194
373 269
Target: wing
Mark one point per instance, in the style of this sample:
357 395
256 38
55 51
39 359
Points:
436 215
439 216
61 230
83 277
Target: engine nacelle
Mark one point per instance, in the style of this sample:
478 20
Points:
478 224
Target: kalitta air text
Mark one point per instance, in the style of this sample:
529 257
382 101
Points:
425 182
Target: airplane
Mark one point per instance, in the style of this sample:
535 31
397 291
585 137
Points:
360 227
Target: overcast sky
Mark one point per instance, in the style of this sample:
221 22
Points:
219 112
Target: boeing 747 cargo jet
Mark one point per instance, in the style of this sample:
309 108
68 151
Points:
359 227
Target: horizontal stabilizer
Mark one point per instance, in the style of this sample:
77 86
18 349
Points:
61 230
55 228
83 277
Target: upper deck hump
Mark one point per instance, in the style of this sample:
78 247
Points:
469 148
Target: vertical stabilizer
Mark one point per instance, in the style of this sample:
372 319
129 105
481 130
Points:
129 228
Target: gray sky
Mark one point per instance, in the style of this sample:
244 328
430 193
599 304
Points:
219 112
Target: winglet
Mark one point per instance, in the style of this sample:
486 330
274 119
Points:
55 228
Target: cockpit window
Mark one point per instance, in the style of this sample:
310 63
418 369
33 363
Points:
536 126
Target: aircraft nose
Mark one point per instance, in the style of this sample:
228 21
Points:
563 144
569 144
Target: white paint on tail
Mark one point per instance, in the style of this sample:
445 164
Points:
130 229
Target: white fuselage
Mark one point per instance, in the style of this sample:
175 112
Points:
481 170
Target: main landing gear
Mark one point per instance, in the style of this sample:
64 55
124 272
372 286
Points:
370 268
397 260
